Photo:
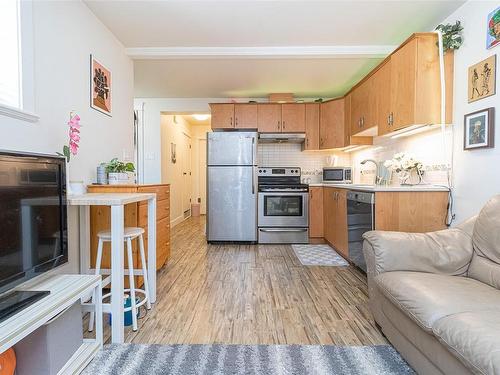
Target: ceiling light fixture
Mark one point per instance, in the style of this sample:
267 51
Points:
201 117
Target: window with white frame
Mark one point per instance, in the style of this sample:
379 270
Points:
16 63
10 40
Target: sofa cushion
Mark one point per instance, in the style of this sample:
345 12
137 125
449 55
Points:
474 337
485 264
427 297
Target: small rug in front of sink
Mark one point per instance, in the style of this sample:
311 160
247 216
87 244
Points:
318 255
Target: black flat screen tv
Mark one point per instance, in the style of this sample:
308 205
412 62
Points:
33 216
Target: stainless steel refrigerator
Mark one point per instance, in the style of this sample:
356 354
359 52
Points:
232 186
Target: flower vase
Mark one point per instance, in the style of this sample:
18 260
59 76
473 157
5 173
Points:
412 177
68 185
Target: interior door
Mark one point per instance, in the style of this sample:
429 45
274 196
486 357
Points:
186 175
293 117
202 167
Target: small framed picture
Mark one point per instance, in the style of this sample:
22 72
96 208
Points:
482 79
479 129
100 87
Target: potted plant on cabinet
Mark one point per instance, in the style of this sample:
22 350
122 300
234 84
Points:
118 171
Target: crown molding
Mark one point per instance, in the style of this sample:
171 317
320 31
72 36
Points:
314 52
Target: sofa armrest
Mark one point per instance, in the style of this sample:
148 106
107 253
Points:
445 252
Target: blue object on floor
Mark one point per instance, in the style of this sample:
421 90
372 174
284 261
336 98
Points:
127 315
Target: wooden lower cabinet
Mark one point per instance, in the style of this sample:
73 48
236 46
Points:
335 219
316 212
136 215
413 211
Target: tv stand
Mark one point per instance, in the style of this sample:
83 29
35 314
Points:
64 291
12 302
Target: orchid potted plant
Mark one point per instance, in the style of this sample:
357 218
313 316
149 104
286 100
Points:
74 137
71 149
409 170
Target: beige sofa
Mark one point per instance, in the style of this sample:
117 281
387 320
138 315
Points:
436 295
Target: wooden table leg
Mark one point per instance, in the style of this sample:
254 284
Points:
152 248
117 265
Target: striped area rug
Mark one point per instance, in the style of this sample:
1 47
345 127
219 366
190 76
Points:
128 359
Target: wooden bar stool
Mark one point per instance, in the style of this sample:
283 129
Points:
130 233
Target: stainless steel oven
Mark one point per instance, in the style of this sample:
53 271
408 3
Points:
283 206
283 209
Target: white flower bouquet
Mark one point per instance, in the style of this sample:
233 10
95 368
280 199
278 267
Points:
405 165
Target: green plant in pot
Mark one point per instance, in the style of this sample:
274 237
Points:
118 171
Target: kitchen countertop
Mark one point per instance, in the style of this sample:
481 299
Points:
375 188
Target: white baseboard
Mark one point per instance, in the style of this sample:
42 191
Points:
177 220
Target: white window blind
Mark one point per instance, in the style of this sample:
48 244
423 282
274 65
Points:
10 63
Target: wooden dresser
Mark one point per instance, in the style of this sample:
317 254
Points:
136 215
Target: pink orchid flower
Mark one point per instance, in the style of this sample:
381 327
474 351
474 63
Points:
74 137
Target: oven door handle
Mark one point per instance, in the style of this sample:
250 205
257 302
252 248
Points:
284 230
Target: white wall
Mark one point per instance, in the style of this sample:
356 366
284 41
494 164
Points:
476 176
65 34
150 135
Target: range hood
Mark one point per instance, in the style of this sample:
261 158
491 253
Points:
282 138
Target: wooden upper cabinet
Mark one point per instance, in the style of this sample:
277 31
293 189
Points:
312 126
222 116
245 116
364 108
415 83
383 89
269 118
331 125
293 118
403 84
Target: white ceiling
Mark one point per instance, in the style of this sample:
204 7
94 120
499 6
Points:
175 25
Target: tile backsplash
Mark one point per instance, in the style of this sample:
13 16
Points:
291 155
425 147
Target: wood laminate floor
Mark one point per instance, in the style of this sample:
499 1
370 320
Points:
253 294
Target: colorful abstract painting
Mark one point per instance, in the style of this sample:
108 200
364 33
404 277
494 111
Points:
493 31
100 87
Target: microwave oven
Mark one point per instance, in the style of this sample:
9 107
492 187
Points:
337 175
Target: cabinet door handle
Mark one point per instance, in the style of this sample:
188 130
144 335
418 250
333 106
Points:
359 123
231 121
283 125
391 118
236 121
307 142
278 125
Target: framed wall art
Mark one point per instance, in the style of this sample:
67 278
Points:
493 29
482 78
479 129
100 87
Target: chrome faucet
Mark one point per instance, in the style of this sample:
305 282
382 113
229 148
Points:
378 178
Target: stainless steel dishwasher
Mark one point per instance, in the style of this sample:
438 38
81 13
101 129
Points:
360 219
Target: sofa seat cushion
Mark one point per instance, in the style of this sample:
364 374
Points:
427 297
474 337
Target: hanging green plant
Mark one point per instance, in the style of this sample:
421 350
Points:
452 35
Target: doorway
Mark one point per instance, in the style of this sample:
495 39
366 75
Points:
186 183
